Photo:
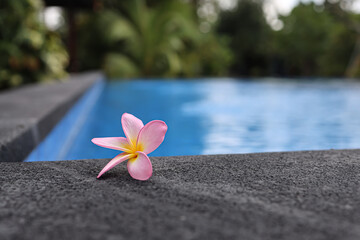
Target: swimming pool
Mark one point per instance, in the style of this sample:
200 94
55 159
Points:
213 116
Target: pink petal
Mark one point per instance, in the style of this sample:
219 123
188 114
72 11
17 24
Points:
131 126
115 161
117 143
151 136
140 168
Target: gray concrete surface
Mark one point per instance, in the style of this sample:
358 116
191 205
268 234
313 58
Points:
29 113
293 195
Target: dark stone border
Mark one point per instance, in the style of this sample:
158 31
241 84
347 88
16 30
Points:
290 195
28 114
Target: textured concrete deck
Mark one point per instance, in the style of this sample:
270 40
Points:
29 113
295 195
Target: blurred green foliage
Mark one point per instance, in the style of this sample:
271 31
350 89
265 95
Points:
28 51
250 36
139 38
315 40
162 38
181 38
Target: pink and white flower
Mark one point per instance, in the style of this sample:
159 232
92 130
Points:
140 140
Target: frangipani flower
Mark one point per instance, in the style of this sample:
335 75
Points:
140 140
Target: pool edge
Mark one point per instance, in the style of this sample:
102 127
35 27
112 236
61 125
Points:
24 124
285 195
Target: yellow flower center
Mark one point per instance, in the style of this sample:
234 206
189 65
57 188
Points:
133 149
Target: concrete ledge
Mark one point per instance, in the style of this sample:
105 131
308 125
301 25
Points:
28 114
292 195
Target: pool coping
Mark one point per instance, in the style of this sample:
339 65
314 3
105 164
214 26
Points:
280 195
29 113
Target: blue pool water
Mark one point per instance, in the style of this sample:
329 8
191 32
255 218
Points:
213 116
